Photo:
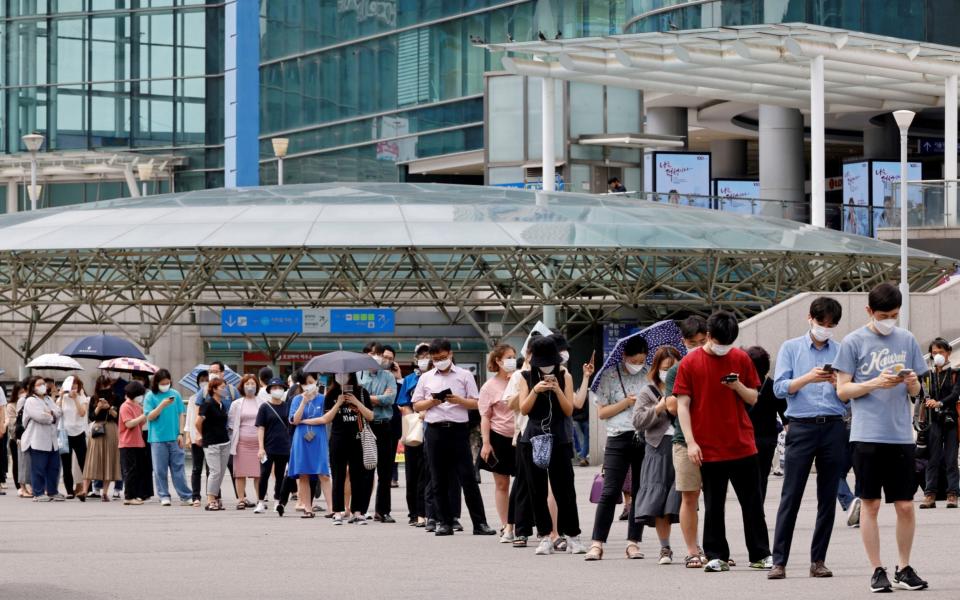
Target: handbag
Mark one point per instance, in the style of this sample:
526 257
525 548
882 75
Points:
63 441
368 442
98 430
596 489
412 430
543 444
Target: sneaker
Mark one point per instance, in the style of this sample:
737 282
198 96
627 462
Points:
133 502
545 547
507 537
58 497
666 556
908 579
951 501
259 508
575 546
716 566
338 519
879 583
929 501
116 494
164 501
360 520
187 502
763 564
280 509
853 515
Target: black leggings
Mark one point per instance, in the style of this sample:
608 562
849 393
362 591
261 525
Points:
560 472
279 464
196 475
3 458
345 450
78 446
520 511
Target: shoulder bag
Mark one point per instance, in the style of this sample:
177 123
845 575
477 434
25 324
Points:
412 430
543 444
368 442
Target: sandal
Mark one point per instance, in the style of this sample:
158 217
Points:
211 507
307 515
633 551
731 562
560 545
693 562
595 553
241 505
196 504
520 541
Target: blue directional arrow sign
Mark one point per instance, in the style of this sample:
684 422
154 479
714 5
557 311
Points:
275 321
362 320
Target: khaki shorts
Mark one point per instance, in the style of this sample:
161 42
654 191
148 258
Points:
687 474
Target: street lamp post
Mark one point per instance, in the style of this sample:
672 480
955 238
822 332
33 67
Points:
145 170
33 142
280 146
904 118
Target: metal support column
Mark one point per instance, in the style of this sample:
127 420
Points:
950 150
818 198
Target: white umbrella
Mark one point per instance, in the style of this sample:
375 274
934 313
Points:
56 362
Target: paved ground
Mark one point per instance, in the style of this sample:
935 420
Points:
99 551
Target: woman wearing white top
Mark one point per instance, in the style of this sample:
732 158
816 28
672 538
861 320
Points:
73 402
190 429
40 416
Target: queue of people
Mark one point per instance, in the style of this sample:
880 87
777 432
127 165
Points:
681 421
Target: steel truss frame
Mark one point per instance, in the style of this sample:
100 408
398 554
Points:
49 289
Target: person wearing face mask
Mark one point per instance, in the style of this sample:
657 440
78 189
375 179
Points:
191 438
10 412
943 389
764 415
213 435
73 402
310 450
133 450
264 376
167 416
273 437
879 368
497 429
816 433
103 456
444 395
349 409
217 371
244 444
414 467
714 385
687 479
381 384
40 417
616 396
658 501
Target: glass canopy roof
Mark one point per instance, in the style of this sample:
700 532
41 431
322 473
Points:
369 215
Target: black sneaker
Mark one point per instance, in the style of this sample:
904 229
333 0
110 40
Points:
908 579
880 583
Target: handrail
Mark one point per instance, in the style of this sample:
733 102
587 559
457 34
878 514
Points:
663 10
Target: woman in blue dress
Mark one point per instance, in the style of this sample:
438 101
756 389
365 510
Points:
309 449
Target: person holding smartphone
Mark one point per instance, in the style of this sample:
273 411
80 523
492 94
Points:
73 402
497 429
878 366
310 413
350 409
816 433
381 384
713 387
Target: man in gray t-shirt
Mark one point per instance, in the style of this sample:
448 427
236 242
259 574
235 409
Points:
878 368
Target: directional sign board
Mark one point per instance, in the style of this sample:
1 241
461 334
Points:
361 320
316 320
276 321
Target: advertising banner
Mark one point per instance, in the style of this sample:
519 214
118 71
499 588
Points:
737 196
683 176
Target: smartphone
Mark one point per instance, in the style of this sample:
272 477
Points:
550 378
442 396
904 372
827 367
731 378
492 460
348 389
264 459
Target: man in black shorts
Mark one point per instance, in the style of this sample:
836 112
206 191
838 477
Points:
878 366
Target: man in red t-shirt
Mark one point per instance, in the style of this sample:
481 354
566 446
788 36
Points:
714 383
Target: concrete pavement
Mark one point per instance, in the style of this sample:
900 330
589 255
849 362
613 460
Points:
100 551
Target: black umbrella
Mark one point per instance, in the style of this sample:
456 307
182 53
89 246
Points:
341 362
102 347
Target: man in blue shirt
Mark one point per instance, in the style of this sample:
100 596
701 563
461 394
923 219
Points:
218 371
878 366
816 432
382 386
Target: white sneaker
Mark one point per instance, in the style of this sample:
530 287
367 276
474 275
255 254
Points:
164 501
507 537
575 546
260 508
338 519
545 547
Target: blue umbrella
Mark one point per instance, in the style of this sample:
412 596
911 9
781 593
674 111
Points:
102 347
663 333
189 381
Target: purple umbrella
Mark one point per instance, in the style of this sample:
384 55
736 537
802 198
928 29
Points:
102 347
663 333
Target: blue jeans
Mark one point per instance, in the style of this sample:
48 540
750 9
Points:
844 495
169 457
581 438
44 471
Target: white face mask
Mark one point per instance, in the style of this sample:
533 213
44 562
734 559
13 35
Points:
164 388
663 374
277 394
214 376
819 332
41 390
342 378
564 357
719 349
310 388
443 365
547 370
509 365
204 387
250 389
423 364
885 327
633 369
138 399
939 360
